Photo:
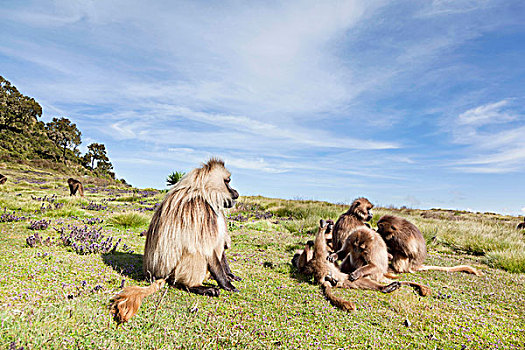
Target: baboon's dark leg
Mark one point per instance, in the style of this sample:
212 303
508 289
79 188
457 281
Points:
227 270
217 272
208 291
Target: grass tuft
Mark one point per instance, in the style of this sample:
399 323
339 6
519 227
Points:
129 219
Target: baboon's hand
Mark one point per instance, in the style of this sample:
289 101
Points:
230 287
232 277
332 257
391 287
354 276
331 280
211 292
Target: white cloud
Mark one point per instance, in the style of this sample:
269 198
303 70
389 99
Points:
495 142
487 114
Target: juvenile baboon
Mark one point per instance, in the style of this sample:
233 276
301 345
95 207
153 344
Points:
521 225
74 186
357 215
408 247
186 239
3 179
328 275
364 255
300 258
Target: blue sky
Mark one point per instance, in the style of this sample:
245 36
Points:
416 103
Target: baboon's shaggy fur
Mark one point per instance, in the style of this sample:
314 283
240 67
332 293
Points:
187 236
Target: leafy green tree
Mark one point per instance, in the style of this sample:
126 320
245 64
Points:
64 134
97 153
17 112
174 177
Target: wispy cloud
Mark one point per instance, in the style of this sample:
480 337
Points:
495 144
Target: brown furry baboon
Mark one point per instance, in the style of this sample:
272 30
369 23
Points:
3 179
186 239
357 215
364 255
329 275
408 248
521 225
74 186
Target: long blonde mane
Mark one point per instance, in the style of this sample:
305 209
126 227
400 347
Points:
186 220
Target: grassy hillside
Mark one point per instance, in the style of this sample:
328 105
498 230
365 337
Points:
55 285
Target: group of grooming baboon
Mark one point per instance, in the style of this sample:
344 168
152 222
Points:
369 259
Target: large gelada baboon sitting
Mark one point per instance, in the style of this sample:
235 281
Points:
186 239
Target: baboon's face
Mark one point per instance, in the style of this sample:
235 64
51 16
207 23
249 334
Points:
362 208
386 228
359 246
220 181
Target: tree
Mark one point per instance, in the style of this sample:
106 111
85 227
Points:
64 134
174 177
97 152
17 112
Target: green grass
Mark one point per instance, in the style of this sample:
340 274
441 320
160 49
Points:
129 219
51 297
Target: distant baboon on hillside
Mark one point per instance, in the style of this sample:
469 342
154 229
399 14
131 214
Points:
521 225
408 248
364 255
74 186
357 215
3 179
186 239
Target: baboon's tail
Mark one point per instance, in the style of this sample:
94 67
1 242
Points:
125 304
418 287
81 190
459 268
336 301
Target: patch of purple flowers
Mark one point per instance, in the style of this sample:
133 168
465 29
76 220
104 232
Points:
11 217
93 221
35 240
39 224
88 240
95 206
51 199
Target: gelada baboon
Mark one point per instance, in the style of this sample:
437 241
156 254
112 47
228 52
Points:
328 275
186 239
408 247
74 186
521 225
365 255
357 215
3 179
